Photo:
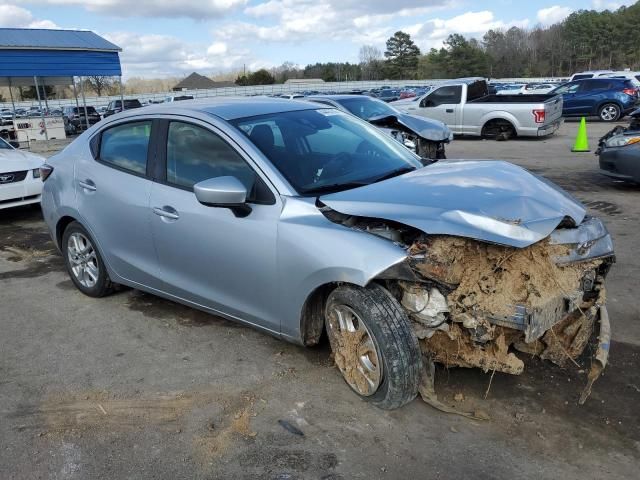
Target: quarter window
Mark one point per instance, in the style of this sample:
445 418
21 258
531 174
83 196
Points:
126 146
195 154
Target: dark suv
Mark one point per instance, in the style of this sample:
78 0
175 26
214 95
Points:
608 98
74 118
115 106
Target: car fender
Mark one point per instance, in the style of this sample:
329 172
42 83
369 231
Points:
499 115
313 251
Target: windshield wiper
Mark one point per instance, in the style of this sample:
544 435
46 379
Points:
334 187
394 173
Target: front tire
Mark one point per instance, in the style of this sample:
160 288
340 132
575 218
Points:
374 346
84 263
609 112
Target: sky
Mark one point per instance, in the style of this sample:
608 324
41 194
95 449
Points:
161 38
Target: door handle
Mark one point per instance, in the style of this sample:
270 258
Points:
166 212
88 185
449 110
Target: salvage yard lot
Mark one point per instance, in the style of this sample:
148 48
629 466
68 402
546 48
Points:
132 386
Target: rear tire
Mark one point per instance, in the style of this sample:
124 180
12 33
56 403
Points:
499 130
84 262
609 112
374 345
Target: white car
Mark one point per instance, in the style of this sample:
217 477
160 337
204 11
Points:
20 182
536 88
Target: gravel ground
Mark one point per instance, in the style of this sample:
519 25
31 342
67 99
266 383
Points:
132 386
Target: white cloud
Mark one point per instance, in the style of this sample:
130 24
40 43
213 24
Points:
553 14
611 5
164 55
18 17
196 9
432 33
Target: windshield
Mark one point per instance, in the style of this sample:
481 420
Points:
366 107
326 150
4 145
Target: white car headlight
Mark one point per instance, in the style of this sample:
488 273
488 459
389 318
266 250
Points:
622 141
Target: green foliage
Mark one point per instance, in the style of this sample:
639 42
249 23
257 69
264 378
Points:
333 71
585 40
259 77
402 56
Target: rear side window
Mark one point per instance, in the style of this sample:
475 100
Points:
594 85
126 146
581 76
195 154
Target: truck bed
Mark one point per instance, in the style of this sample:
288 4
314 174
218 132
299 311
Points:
535 98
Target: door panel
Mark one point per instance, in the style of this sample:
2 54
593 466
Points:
443 104
208 255
114 202
213 258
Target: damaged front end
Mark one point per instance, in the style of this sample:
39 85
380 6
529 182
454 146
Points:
427 138
478 304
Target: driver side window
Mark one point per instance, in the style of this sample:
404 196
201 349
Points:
448 95
195 154
573 88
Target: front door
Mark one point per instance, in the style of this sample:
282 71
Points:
443 104
209 255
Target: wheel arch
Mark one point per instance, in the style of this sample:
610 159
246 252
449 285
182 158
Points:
501 117
605 102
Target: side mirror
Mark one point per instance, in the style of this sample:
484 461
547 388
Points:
14 144
225 192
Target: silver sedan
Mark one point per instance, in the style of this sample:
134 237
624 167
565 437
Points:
298 219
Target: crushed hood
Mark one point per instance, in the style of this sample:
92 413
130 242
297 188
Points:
17 160
492 201
428 129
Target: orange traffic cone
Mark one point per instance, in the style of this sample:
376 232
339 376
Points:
582 140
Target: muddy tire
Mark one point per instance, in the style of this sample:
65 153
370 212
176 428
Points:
374 346
84 263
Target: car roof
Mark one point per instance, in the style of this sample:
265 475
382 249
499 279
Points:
232 108
340 96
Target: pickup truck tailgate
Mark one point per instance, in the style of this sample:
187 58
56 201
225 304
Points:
552 109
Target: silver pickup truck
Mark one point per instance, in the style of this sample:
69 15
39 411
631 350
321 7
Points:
466 106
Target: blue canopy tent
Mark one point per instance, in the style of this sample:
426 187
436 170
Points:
33 57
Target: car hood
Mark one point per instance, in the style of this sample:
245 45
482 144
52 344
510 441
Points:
426 128
16 160
492 201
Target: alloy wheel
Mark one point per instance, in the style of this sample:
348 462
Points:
609 113
354 350
83 260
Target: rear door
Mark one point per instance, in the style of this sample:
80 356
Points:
211 256
443 104
589 95
112 189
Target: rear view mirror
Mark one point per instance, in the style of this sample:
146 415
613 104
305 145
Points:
225 192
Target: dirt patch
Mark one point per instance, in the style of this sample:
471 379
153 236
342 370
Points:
492 279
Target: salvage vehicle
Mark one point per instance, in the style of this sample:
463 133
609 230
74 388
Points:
619 151
76 118
115 106
298 219
466 106
20 182
424 136
608 98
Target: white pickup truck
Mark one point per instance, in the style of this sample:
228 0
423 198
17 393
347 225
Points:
466 106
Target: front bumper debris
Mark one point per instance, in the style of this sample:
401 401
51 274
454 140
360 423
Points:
599 361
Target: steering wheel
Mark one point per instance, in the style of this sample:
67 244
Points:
367 148
337 166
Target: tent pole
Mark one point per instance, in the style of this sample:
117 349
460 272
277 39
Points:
121 94
75 95
44 123
13 104
84 103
